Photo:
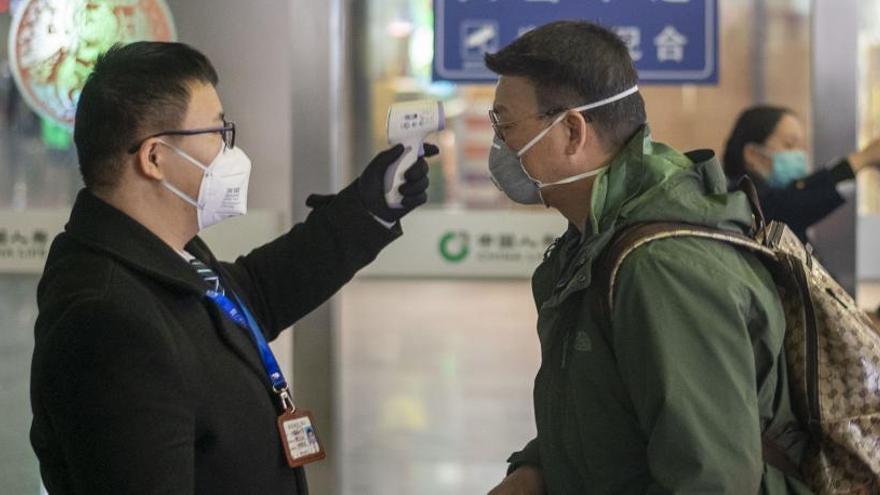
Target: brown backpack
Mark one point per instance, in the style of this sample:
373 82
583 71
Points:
832 350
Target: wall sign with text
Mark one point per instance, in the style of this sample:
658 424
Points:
670 41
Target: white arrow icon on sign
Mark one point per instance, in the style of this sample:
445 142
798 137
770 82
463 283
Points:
481 36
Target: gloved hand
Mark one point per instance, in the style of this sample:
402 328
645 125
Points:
371 183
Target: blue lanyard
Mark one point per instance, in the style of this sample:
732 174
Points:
239 314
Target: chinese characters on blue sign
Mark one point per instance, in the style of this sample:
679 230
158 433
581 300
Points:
671 41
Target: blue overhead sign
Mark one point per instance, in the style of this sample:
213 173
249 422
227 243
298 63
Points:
671 41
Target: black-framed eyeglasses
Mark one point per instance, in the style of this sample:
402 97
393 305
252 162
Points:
226 131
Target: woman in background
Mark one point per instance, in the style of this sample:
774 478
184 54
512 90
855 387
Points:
768 144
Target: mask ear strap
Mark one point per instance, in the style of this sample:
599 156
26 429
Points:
180 194
540 136
585 175
186 156
606 101
177 192
582 108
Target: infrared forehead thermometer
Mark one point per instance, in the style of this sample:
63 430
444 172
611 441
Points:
409 123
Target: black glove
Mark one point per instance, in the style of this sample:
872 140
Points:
371 183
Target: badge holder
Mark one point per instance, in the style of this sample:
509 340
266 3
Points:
297 430
298 435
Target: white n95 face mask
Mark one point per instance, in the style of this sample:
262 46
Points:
224 187
510 175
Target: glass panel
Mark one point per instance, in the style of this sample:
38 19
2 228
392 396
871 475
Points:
775 71
869 101
868 226
397 64
38 169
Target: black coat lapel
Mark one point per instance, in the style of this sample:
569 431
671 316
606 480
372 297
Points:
104 228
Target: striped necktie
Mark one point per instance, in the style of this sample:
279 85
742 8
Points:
208 275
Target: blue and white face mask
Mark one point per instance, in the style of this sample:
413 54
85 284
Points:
788 166
510 176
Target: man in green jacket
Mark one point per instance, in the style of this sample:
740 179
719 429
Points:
671 392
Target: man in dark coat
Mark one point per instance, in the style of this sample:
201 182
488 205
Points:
140 382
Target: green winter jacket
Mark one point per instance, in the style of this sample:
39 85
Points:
672 394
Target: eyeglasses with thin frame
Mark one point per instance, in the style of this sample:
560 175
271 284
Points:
499 127
226 131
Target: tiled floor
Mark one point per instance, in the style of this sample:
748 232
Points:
436 381
436 384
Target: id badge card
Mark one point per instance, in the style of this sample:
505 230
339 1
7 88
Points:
299 438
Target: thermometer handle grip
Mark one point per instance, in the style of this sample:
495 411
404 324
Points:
394 175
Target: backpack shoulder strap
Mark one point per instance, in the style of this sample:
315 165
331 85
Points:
747 186
631 238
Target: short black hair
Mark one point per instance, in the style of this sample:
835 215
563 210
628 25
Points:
134 90
573 63
754 125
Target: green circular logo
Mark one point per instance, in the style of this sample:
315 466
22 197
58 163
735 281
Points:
455 246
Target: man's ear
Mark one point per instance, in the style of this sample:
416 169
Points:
148 160
579 131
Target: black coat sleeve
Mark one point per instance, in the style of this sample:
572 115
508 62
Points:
803 203
110 388
294 274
